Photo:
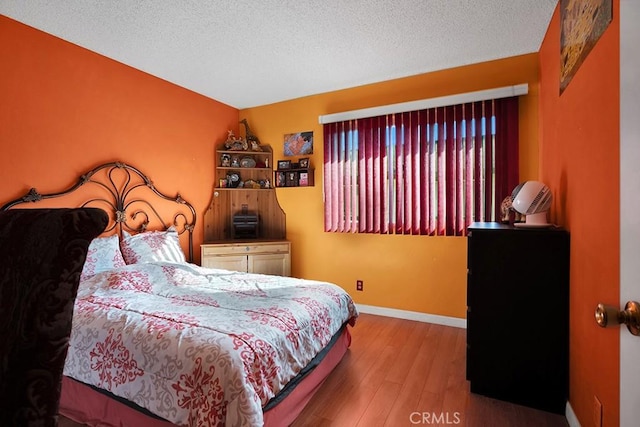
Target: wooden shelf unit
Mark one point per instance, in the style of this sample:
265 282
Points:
227 202
261 173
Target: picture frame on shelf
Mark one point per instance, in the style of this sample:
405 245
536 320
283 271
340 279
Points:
292 179
304 179
284 164
303 163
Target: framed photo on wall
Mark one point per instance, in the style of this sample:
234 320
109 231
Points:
581 25
298 144
303 163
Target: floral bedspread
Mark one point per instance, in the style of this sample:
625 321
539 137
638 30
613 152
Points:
200 346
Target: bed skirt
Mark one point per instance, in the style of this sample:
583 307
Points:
83 404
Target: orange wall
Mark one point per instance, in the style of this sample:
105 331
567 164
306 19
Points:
579 145
415 273
64 110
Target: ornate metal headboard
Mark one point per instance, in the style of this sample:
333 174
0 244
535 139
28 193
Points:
119 190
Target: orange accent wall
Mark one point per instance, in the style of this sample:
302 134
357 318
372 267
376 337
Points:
579 160
415 273
64 110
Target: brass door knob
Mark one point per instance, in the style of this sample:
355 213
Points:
608 316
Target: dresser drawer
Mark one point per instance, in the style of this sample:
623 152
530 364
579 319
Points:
245 248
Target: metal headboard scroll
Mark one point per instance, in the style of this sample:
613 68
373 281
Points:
126 209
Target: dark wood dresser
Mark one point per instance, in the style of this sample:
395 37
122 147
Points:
518 314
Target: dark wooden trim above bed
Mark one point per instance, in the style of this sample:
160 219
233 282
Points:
119 190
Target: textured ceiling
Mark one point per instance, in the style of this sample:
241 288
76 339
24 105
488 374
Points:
254 52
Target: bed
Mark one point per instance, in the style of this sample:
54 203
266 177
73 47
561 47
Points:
159 341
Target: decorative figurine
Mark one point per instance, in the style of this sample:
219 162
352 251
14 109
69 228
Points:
251 138
508 214
234 143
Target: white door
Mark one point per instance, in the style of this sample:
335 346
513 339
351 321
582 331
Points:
629 205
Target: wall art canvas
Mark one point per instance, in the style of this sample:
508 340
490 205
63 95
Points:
298 144
582 23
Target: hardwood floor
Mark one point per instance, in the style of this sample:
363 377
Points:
405 373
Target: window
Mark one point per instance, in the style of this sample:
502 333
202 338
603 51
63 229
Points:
425 172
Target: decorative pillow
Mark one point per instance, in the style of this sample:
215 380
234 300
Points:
42 253
104 254
152 246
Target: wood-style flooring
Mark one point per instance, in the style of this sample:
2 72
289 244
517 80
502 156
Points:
406 373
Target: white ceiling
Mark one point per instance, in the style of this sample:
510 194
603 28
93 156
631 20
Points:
247 53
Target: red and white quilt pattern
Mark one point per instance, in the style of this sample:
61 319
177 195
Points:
199 346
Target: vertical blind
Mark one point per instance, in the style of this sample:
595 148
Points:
426 172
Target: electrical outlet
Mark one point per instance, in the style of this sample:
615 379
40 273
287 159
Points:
597 412
359 285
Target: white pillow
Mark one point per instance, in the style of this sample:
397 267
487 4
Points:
152 246
103 254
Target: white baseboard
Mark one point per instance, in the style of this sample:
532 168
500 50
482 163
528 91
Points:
413 315
572 420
